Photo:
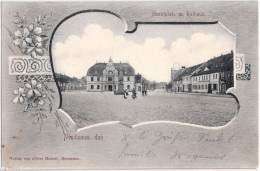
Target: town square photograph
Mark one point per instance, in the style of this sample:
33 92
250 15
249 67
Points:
160 72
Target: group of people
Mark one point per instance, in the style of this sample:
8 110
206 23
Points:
144 91
134 93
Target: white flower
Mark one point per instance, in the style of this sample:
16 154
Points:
20 95
35 33
22 39
33 87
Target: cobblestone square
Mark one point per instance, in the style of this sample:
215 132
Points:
88 108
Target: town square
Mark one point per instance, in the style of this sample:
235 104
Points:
88 108
183 75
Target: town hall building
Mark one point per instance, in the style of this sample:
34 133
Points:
110 77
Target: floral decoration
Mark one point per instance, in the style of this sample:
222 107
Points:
35 95
31 39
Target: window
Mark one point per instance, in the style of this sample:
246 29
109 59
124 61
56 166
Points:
216 76
98 78
199 86
209 76
110 79
92 78
92 86
128 86
206 86
105 87
98 86
213 76
115 86
128 78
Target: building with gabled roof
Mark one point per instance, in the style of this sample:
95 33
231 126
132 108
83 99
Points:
110 77
213 76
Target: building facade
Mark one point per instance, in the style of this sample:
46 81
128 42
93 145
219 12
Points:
213 76
110 77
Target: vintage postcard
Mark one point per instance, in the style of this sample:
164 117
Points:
130 85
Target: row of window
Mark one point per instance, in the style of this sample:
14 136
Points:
92 78
109 78
205 86
205 77
98 87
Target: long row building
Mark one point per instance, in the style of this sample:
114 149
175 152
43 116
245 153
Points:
213 76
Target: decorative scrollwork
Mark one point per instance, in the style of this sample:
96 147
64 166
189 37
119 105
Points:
25 65
18 65
240 63
47 65
246 75
34 66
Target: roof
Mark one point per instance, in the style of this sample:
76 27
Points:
178 75
98 68
186 72
217 64
221 63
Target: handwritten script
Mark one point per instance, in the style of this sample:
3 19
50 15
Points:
175 145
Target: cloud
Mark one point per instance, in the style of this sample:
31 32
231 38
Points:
151 58
199 48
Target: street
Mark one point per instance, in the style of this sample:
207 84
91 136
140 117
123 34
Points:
87 108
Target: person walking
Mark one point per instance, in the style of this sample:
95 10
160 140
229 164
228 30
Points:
134 93
125 94
143 90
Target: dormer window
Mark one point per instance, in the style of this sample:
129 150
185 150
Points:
206 69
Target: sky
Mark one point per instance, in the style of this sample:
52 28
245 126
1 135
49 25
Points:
152 50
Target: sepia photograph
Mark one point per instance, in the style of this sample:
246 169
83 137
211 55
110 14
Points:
160 72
